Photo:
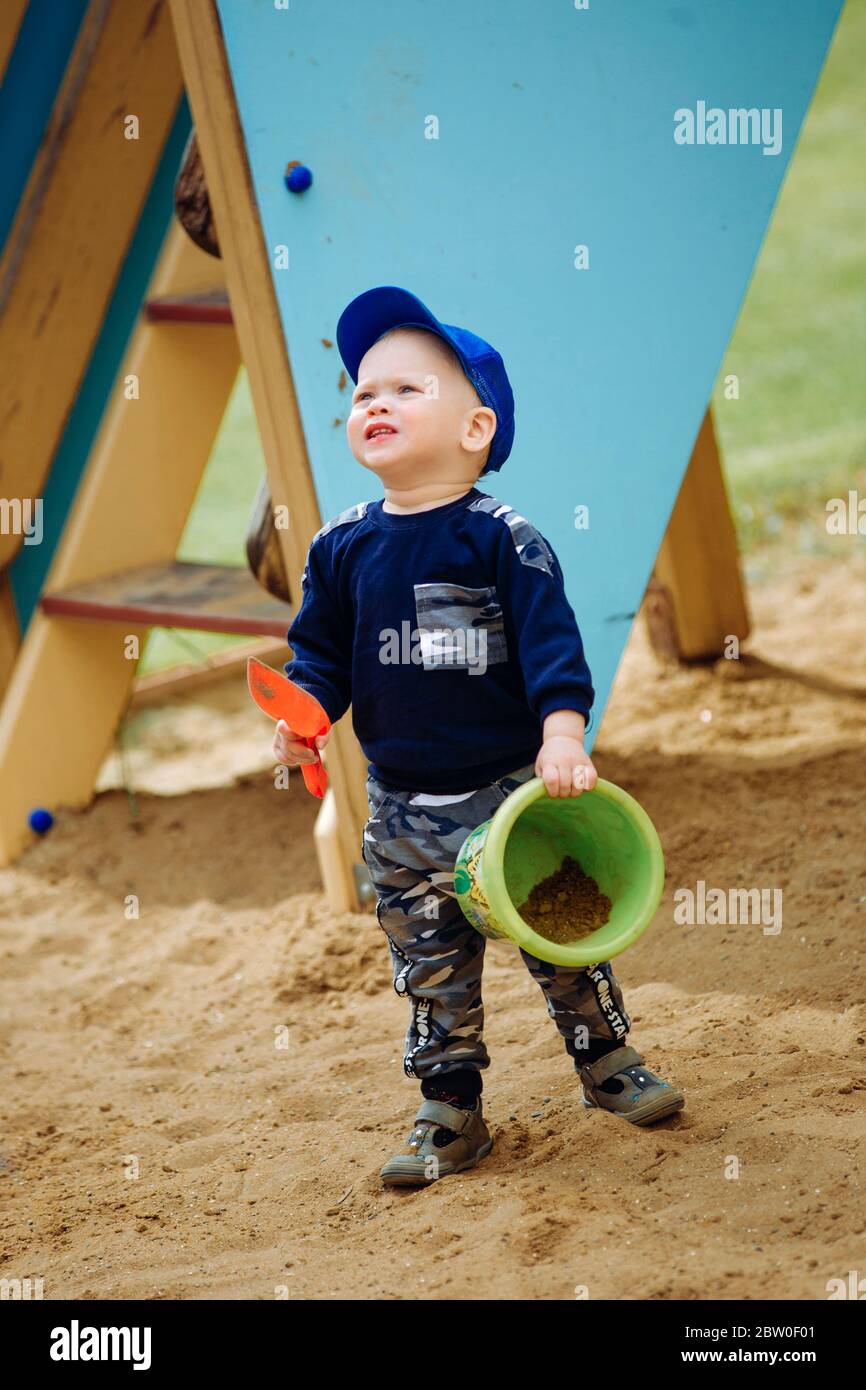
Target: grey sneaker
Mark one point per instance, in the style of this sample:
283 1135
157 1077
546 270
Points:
641 1097
422 1161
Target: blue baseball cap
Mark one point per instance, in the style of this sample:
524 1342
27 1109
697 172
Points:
376 311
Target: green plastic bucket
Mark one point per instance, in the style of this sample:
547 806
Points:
605 829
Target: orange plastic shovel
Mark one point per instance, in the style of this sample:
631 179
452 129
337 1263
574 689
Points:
282 699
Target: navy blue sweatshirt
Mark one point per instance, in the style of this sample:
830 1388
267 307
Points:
449 633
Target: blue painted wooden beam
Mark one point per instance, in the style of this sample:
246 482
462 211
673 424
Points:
36 67
31 564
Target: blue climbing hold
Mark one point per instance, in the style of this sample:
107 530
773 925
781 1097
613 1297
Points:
40 820
298 178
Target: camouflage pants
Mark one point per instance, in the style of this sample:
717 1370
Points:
410 845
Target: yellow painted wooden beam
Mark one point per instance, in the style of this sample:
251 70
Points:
74 226
263 349
698 563
72 680
10 633
11 15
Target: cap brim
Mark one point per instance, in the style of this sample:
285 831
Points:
373 313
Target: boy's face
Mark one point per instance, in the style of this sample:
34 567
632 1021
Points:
433 427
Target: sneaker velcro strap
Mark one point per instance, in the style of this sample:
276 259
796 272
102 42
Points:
449 1116
611 1063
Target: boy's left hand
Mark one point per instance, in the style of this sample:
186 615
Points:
565 767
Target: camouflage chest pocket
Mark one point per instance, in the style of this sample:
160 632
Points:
458 628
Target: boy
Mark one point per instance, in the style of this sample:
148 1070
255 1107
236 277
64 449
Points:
439 613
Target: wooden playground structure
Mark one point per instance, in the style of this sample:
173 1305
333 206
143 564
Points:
122 332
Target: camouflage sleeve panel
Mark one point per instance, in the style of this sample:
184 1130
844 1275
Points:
532 592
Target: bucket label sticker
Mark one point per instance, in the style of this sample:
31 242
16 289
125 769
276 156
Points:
467 884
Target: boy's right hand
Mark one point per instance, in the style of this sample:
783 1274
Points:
289 748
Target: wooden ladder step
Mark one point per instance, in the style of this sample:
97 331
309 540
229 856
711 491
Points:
202 598
212 306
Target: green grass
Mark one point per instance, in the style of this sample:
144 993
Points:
797 434
216 530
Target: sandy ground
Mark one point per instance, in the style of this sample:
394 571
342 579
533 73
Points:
157 1144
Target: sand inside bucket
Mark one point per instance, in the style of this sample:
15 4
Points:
567 905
